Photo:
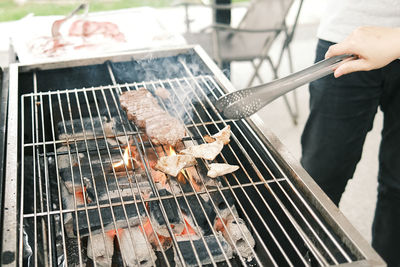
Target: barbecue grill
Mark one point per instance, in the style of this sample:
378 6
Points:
68 200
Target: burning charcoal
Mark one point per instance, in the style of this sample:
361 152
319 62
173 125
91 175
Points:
68 203
206 151
126 186
100 249
78 179
86 174
238 237
197 211
64 160
135 249
190 180
106 215
158 242
200 249
110 128
173 214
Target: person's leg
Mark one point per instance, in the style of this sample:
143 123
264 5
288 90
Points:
341 114
223 16
386 225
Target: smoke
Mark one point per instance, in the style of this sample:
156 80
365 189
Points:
176 74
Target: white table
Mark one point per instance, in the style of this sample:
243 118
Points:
140 26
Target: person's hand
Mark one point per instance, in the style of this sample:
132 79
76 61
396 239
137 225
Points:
374 47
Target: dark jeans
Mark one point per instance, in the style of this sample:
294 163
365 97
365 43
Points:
223 16
341 114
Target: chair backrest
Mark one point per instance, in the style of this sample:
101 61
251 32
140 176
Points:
263 14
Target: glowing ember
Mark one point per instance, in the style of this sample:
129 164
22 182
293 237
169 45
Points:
219 226
113 232
126 161
181 177
80 198
147 229
190 230
184 174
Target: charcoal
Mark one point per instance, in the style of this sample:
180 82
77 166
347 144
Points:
173 214
100 248
75 182
95 173
68 203
95 145
75 128
200 249
197 211
135 249
72 249
222 202
121 186
169 257
239 235
106 216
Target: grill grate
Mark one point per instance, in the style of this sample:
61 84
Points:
286 229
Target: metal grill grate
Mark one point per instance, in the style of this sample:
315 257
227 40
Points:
286 229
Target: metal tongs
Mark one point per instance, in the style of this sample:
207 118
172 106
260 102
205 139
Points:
245 102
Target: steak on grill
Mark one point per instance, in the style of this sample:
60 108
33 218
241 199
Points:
142 108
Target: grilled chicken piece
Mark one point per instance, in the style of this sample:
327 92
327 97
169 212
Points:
205 151
142 108
223 135
219 169
103 249
173 164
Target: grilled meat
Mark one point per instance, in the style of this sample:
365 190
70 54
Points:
166 130
205 151
173 164
223 135
142 108
219 169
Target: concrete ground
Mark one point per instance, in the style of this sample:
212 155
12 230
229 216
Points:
358 202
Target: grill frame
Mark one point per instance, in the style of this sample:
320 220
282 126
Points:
290 167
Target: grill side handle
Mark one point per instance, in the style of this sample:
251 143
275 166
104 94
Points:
9 236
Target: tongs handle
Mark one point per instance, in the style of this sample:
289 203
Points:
245 102
312 73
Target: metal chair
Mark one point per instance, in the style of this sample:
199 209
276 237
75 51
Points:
260 27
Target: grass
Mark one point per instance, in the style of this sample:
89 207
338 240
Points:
9 10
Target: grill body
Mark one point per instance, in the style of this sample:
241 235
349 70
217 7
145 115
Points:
290 219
